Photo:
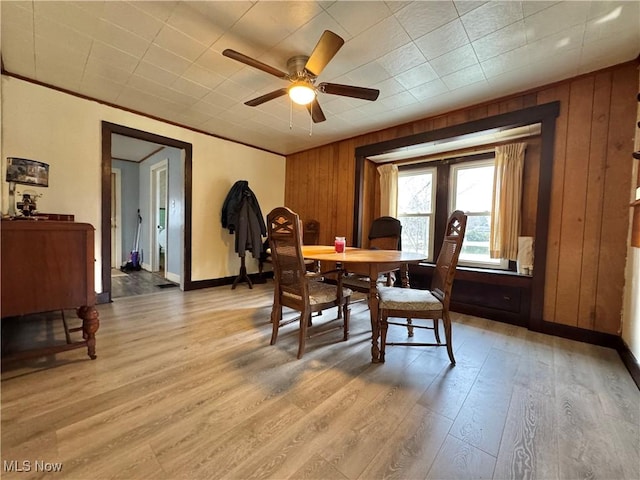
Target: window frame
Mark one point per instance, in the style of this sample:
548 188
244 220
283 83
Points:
497 264
444 192
424 168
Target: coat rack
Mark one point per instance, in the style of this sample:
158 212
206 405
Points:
242 276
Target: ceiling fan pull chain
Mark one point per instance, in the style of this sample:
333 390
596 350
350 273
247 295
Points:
311 120
290 114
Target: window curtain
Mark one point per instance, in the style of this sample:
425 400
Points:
388 190
507 195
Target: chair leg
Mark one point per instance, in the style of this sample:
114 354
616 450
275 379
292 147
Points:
436 329
305 319
275 324
346 313
447 333
409 327
382 326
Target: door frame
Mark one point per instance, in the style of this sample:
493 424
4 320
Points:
154 205
108 129
116 233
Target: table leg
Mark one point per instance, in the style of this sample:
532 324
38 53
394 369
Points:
90 324
373 310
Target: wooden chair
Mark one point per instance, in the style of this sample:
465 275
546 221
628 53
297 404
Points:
310 236
426 304
295 287
385 234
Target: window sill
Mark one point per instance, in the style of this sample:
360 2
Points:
484 275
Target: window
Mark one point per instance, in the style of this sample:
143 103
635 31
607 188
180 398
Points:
468 186
472 192
416 208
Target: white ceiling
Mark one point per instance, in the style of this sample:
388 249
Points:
427 57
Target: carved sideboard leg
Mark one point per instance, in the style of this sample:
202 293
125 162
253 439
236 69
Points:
90 324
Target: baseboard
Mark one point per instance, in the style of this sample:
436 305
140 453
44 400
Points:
631 362
597 338
218 282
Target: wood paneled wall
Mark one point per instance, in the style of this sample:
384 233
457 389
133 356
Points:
589 215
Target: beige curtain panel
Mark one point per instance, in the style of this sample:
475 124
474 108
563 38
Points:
507 196
388 190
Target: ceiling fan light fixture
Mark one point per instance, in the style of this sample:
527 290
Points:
302 93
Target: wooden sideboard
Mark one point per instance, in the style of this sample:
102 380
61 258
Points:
49 266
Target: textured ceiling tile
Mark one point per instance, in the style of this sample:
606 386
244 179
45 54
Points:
458 59
555 19
465 6
466 76
402 59
367 14
202 76
618 17
420 18
490 17
503 40
369 74
429 89
154 73
166 60
506 61
417 76
97 68
374 43
133 19
443 40
112 56
192 23
121 39
177 42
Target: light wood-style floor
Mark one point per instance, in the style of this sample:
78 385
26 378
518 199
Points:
186 386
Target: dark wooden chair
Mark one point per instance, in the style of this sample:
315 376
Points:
294 286
431 304
310 236
385 234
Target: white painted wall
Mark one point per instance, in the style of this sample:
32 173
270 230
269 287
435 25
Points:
65 131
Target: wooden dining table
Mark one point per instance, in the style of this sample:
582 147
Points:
376 262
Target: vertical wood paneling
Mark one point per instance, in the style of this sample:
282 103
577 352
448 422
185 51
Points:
617 188
561 93
574 201
530 177
595 192
588 218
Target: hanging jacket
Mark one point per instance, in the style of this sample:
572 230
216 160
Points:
241 214
231 206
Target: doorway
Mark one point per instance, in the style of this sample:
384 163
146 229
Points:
181 222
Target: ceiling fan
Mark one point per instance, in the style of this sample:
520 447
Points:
302 74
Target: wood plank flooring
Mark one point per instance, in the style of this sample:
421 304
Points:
186 386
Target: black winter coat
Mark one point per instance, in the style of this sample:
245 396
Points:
241 214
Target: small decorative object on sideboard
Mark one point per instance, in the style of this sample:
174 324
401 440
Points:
28 205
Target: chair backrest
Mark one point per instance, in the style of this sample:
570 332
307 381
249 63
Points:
385 234
442 280
311 232
283 227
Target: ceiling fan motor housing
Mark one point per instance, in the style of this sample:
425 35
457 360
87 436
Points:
295 67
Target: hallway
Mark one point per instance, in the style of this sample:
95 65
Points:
137 283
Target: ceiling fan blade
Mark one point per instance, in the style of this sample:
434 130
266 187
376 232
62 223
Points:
252 62
266 97
349 91
317 115
324 51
